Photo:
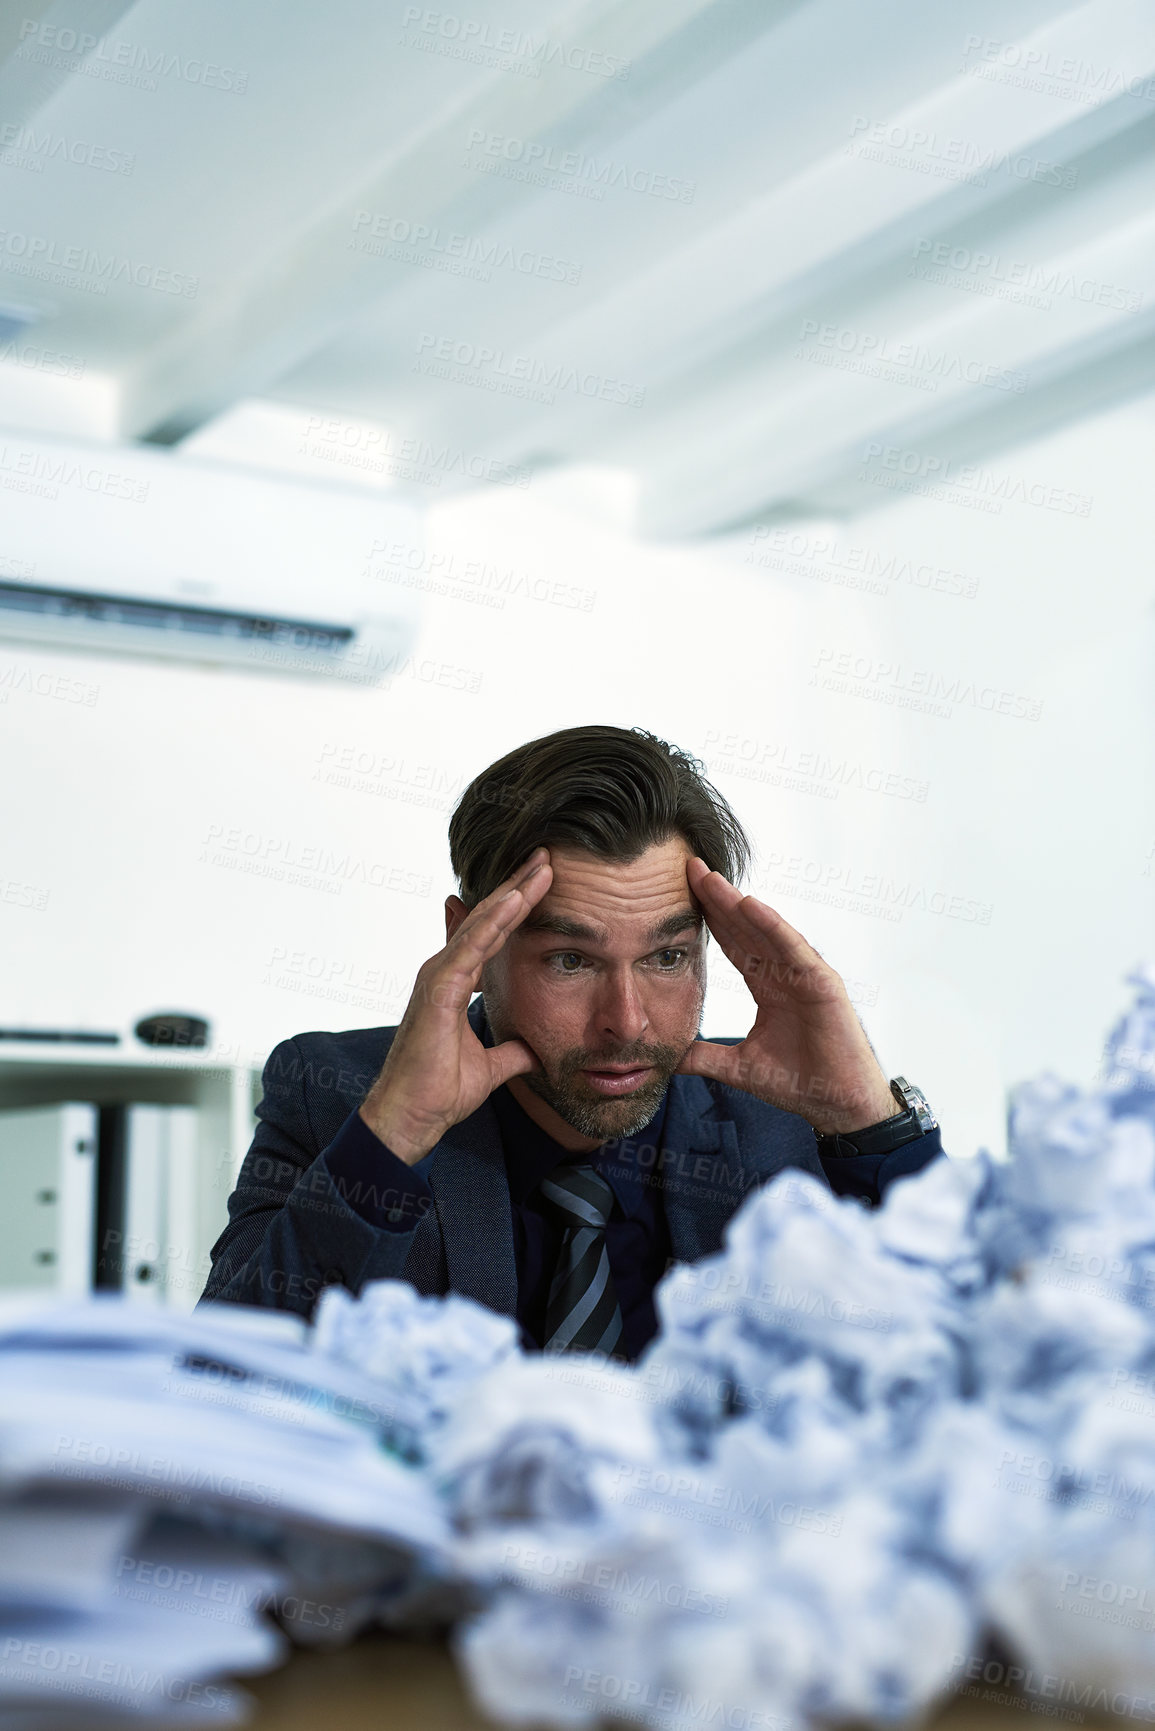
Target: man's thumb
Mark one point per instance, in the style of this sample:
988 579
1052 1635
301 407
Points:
707 1058
511 1058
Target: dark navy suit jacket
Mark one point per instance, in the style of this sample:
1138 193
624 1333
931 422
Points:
292 1232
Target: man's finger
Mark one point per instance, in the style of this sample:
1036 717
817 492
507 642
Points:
750 927
722 907
750 953
483 932
449 979
746 916
528 869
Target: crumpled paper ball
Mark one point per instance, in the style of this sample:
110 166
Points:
424 1351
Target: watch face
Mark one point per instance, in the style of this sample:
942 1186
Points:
914 1100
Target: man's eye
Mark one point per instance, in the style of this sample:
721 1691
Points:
565 957
668 960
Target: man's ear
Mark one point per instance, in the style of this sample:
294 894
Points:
455 912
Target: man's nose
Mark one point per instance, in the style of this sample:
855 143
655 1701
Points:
620 1012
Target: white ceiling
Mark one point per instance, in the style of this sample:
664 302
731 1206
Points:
929 228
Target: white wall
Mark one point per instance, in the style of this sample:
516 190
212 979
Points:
153 822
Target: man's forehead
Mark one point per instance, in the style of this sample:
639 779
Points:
659 870
595 898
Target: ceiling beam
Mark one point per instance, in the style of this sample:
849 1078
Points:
292 304
33 62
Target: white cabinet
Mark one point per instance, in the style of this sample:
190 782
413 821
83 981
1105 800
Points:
140 1211
48 1186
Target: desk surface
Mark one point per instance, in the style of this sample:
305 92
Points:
378 1683
383 1683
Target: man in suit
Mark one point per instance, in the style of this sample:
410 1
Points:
549 1147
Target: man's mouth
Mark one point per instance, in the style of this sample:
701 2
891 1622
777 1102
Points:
618 1079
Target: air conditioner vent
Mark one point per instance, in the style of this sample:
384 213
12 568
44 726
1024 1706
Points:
58 605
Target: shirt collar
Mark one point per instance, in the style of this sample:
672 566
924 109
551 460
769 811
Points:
531 1154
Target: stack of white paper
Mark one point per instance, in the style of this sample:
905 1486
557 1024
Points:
168 1486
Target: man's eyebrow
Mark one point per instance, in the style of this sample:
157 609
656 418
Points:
673 924
556 925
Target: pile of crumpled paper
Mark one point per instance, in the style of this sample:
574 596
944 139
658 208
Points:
869 1459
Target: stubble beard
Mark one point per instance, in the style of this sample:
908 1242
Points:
565 1089
605 1119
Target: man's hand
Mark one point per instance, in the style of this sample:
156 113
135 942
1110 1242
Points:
437 1071
806 1051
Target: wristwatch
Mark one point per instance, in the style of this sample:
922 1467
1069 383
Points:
913 1120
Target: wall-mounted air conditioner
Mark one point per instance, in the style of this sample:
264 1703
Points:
128 550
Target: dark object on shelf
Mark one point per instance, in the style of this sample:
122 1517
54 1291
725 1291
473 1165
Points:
61 1036
111 1195
172 1028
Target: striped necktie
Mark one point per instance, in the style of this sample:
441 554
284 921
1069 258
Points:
583 1313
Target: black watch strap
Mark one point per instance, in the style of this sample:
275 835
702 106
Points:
875 1139
915 1120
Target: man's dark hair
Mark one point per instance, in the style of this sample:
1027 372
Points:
614 791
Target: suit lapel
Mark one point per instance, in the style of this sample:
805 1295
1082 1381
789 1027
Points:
702 1178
